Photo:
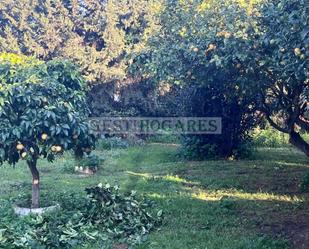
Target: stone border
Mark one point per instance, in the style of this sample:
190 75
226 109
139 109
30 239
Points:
27 211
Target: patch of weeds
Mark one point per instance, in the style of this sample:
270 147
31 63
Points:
269 137
92 162
7 186
68 166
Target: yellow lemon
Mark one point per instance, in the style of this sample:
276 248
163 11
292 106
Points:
20 147
297 51
44 136
58 148
54 148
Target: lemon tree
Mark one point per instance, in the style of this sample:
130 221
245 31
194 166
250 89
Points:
43 113
203 48
241 61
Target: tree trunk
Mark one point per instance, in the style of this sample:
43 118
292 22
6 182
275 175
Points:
299 142
35 184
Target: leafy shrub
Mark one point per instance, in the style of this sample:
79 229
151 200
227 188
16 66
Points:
195 148
102 216
304 185
269 137
68 166
92 161
112 143
202 148
244 151
237 122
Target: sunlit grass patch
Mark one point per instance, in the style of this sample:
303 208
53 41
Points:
168 177
261 196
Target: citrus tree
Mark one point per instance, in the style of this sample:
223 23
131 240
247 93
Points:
282 59
250 56
202 48
43 113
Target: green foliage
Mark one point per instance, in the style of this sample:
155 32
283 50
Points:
194 148
205 39
282 61
17 69
304 185
20 60
97 35
92 161
67 74
43 111
269 137
109 143
244 57
202 148
179 188
103 216
164 138
121 216
202 47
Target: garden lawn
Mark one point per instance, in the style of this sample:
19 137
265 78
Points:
252 204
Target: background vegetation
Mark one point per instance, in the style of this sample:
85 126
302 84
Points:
62 61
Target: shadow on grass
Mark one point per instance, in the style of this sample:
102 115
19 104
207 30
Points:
247 197
189 207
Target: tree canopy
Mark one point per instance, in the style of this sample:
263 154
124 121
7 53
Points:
282 56
96 35
255 55
252 54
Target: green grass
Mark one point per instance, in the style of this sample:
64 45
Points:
210 204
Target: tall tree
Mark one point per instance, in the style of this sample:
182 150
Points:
95 34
